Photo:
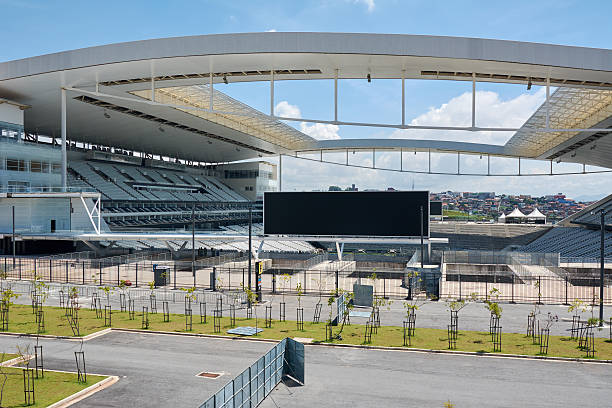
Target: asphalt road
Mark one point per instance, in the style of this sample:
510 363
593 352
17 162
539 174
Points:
160 371
373 378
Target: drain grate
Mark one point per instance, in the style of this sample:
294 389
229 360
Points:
207 374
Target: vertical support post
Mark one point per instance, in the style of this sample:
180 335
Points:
272 92
100 268
83 271
422 237
280 172
429 160
250 241
551 167
401 159
118 274
458 163
212 90
547 103
519 165
336 96
403 97
136 274
473 100
13 238
175 275
193 244
601 268
373 158
152 87
63 129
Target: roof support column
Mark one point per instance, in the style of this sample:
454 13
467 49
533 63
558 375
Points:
403 97
336 96
429 161
547 103
210 104
473 100
280 172
458 163
272 92
152 87
401 159
63 128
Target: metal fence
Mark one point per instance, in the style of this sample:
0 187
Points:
249 388
517 283
526 289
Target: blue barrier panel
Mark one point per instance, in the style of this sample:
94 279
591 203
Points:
250 387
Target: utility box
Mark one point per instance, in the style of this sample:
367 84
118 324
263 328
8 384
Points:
161 275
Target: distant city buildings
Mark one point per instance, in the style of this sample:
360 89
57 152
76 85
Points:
490 206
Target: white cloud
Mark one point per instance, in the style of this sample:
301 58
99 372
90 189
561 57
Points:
491 111
368 3
306 175
320 131
286 110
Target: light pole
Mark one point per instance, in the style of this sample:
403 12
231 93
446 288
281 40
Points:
602 226
193 244
250 237
13 237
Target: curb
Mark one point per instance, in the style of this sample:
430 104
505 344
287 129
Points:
383 348
92 389
55 337
357 346
465 353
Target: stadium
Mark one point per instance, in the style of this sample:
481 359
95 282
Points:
128 163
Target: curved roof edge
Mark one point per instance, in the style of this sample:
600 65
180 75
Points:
409 144
309 42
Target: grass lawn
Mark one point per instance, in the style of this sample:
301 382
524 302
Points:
22 320
7 356
48 390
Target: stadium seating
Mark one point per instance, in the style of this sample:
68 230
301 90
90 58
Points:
571 242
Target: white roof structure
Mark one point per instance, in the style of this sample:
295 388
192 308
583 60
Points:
536 214
516 213
163 96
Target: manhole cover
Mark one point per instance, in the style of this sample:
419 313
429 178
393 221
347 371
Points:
207 374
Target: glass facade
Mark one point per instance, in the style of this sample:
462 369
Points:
27 166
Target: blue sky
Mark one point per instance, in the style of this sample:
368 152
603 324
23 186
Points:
37 27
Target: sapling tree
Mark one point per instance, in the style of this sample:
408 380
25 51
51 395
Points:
107 291
347 307
300 293
319 284
4 375
251 299
492 304
284 281
411 306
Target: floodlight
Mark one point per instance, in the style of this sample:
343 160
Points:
369 78
529 84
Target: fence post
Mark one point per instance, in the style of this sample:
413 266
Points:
336 281
384 287
83 263
136 274
175 275
242 277
304 281
66 263
100 268
512 301
118 274
50 270
566 290
34 267
19 268
460 287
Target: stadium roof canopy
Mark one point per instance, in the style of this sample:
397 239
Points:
109 92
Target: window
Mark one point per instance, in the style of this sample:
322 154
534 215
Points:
16 165
36 167
18 186
56 168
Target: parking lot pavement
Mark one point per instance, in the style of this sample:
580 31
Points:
154 370
373 378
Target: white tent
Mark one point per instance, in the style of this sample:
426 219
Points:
515 217
536 216
502 218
